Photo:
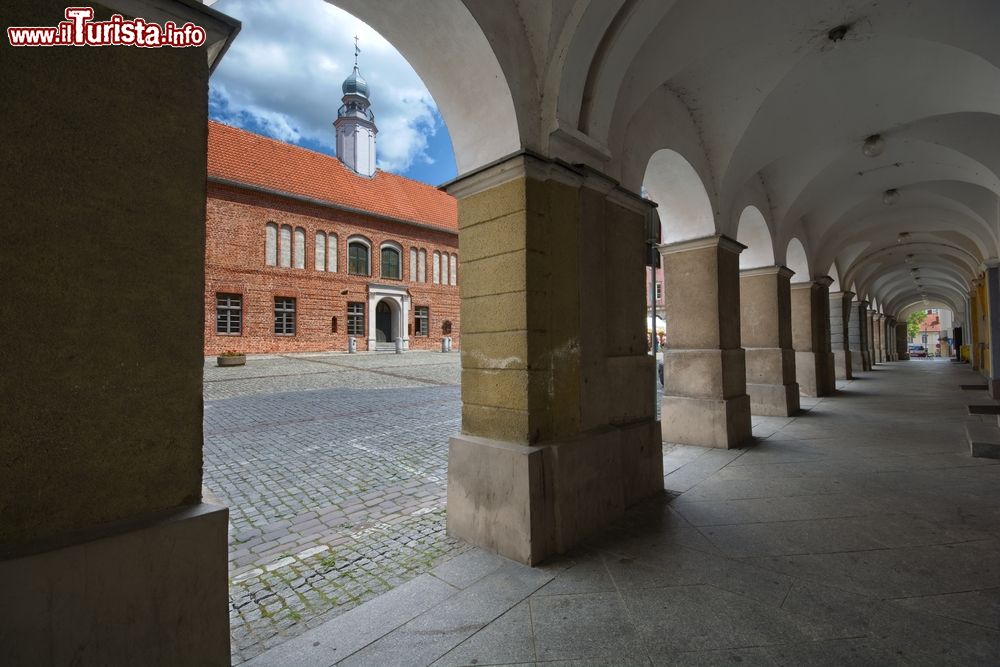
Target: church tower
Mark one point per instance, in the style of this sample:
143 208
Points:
355 124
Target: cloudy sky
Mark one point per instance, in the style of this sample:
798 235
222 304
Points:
282 78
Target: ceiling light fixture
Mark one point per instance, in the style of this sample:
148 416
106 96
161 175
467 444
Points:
890 196
873 146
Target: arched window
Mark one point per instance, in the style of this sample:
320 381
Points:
299 248
331 253
271 244
320 253
453 276
391 264
358 263
422 266
444 269
285 247
436 268
413 265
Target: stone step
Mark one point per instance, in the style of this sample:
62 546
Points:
984 438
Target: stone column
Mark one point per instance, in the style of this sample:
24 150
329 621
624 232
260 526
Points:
857 337
993 326
879 323
705 399
976 320
108 556
870 317
559 433
766 334
890 339
902 351
811 337
840 332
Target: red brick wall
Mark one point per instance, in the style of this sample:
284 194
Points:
235 263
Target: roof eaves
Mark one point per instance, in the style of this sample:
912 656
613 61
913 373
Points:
328 204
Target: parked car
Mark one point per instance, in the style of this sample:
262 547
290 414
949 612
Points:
917 350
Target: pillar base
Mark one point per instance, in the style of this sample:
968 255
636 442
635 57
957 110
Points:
706 422
771 381
774 400
814 371
866 361
149 592
843 364
531 502
994 388
857 363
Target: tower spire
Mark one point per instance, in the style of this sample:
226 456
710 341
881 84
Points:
355 124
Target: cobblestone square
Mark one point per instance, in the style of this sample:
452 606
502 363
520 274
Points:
333 467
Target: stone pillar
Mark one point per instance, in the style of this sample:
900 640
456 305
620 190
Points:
890 339
559 433
108 556
993 326
878 321
858 337
705 399
870 319
977 321
766 334
811 337
840 332
902 351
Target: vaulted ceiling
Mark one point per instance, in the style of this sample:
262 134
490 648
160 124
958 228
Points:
768 102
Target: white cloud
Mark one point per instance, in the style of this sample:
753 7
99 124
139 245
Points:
285 69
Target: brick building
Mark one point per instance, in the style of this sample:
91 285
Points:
304 250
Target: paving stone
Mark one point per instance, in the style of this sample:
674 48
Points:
313 466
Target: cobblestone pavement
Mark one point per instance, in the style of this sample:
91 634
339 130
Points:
333 467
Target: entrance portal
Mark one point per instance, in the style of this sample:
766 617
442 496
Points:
383 323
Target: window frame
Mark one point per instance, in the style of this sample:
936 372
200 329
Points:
366 244
356 320
281 315
228 308
425 317
394 248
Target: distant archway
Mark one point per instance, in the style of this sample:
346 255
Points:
754 234
684 207
795 259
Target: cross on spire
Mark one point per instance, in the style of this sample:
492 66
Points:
357 50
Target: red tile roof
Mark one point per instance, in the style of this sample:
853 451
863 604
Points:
251 159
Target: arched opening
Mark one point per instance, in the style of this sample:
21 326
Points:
795 259
385 330
684 207
335 435
754 234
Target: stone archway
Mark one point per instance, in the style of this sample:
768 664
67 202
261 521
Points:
388 314
384 329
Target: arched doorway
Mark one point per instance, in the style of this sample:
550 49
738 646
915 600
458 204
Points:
383 323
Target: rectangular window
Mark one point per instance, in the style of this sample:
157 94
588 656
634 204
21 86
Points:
422 318
319 256
659 291
284 316
355 319
229 314
285 247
